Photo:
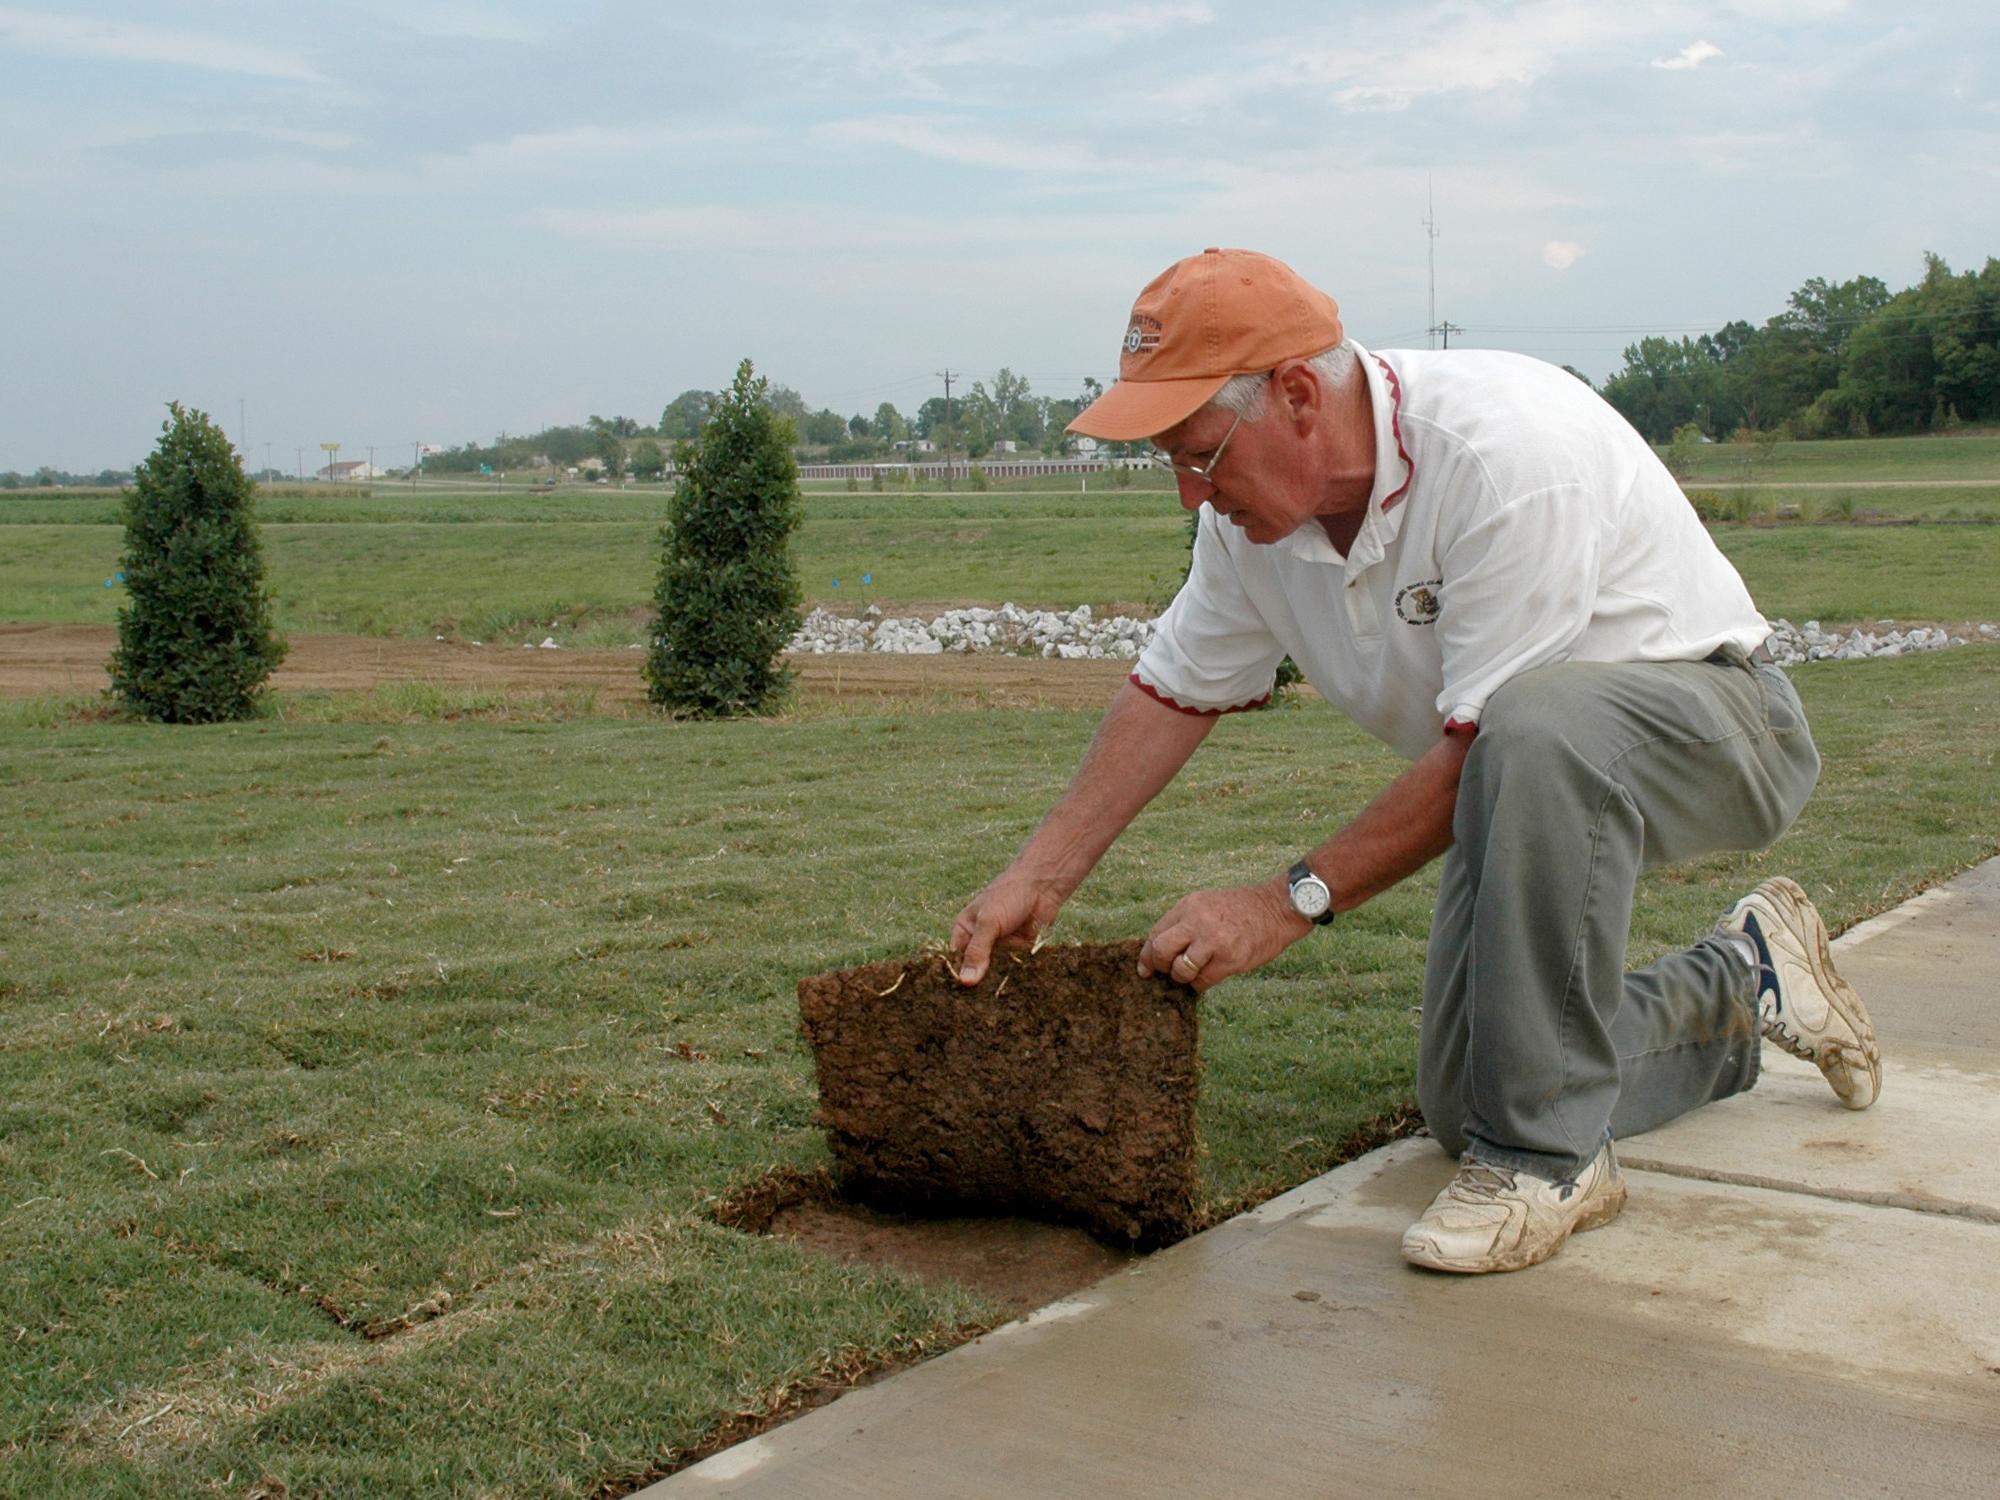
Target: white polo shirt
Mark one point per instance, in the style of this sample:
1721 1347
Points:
1516 520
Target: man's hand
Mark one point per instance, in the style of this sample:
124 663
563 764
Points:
1013 911
1211 935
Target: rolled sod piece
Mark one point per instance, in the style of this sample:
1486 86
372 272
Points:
1062 1086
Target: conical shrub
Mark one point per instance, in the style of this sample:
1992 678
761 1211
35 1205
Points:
728 596
195 640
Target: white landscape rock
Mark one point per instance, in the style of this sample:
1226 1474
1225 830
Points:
1070 635
1080 634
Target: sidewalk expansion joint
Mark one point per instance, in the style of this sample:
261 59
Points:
1922 1203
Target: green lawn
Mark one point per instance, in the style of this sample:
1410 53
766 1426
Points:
366 1085
1837 503
562 507
591 581
1875 459
1845 574
321 1030
509 579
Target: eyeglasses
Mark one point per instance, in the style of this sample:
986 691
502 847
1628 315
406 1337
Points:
1204 472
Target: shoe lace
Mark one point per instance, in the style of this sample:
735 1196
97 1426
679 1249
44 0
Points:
1774 1027
1480 1179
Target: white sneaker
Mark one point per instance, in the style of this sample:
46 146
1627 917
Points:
1492 1218
1803 1005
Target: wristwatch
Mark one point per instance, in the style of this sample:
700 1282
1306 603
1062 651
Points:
1311 897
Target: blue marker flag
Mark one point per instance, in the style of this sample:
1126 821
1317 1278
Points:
867 577
110 582
836 583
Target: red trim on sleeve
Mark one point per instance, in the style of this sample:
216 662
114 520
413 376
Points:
1200 713
1396 430
1460 726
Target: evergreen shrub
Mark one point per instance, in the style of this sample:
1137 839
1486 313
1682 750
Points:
728 596
195 640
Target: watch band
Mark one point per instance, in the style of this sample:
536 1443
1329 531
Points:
1301 874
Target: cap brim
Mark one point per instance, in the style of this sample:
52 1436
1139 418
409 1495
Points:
1134 409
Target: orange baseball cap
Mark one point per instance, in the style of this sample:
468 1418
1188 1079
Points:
1202 320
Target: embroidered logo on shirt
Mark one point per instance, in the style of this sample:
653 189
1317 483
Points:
1417 603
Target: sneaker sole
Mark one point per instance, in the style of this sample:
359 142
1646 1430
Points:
1840 996
1608 1207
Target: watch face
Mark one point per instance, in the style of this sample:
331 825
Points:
1310 897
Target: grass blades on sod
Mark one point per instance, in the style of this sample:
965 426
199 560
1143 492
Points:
446 1034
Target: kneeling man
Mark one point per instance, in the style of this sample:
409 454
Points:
1481 563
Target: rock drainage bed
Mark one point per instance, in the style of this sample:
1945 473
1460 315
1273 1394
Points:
1079 634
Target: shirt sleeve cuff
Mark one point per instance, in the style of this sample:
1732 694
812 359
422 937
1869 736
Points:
1201 713
1464 721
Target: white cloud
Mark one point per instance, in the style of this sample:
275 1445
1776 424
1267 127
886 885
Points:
808 230
969 43
1453 48
583 146
123 41
1693 55
946 141
1560 255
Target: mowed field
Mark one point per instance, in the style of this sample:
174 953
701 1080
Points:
579 565
372 1072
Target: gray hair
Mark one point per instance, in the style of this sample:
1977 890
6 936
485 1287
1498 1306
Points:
1244 394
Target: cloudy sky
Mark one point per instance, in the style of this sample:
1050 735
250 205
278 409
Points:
384 221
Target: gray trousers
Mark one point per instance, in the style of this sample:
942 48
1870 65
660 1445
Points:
1537 1044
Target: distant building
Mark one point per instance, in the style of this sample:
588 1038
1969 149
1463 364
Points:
352 472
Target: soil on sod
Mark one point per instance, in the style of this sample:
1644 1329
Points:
1062 1086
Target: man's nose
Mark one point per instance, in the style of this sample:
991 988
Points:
1193 491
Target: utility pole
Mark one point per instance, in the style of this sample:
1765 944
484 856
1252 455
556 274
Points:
947 376
416 460
242 447
1447 328
1431 236
267 458
302 466
371 463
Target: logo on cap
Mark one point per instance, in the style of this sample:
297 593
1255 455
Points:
1142 335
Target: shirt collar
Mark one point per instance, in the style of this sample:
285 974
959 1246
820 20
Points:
1394 474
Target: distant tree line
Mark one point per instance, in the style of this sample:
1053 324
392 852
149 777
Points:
1842 360
974 424
46 478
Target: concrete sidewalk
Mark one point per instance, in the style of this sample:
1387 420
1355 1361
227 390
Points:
1798 1300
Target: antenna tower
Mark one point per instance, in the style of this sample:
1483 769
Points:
1431 237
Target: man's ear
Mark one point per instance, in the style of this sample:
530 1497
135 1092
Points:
1301 394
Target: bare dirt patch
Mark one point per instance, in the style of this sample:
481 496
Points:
39 661
1022 1264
